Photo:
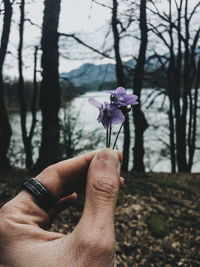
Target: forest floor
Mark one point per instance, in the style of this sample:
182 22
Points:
157 218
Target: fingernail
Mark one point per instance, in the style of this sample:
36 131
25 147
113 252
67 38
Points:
119 166
121 181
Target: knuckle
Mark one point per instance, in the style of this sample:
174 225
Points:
105 186
50 170
8 232
6 214
107 247
98 245
5 211
11 214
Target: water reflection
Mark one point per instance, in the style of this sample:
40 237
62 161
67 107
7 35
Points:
156 136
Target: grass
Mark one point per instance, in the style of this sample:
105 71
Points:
148 186
186 220
158 225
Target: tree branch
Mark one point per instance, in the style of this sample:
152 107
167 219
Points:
84 44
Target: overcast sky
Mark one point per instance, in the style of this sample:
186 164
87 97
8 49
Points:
77 16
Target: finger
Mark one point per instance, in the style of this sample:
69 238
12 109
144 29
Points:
121 181
65 202
103 182
67 176
62 205
63 178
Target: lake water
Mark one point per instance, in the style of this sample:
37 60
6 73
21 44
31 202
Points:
156 136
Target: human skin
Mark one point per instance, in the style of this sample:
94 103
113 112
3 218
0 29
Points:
24 240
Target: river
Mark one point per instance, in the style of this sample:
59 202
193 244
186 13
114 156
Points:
85 117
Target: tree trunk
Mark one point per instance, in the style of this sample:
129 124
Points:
34 96
181 131
174 88
139 118
192 141
50 88
171 138
138 151
29 147
126 147
183 70
5 131
26 137
5 128
120 82
21 89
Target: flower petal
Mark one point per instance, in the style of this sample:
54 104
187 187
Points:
121 91
105 124
130 99
117 116
100 117
94 102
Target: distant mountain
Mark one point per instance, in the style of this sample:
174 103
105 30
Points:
93 77
102 77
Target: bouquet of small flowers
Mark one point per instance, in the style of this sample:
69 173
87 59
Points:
114 112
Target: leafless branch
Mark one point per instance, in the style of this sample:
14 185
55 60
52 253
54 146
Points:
33 24
155 30
193 11
103 5
84 44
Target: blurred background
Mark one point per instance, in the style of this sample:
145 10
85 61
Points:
56 54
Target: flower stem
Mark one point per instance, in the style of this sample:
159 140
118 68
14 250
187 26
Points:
118 135
107 138
110 131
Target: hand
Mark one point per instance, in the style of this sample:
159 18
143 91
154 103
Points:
24 242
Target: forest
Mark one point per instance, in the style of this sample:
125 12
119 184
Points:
166 57
153 49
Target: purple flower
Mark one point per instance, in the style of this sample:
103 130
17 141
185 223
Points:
108 114
119 98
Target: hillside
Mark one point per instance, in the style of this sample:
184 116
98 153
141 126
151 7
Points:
157 218
91 74
95 77
101 77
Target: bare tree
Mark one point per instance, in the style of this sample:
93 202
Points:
117 29
182 69
26 136
120 82
5 128
50 89
139 118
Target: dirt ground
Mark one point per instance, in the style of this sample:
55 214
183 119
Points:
157 217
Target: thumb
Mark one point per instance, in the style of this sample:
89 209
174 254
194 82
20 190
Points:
103 182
